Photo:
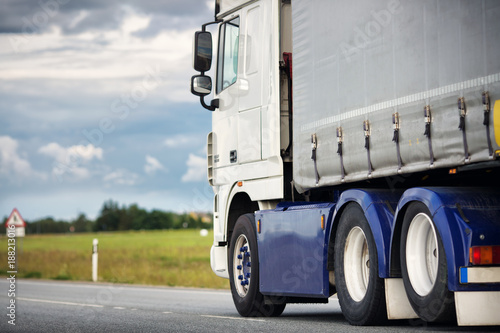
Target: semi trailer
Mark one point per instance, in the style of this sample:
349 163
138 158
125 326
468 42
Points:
355 150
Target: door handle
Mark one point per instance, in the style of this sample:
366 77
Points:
233 156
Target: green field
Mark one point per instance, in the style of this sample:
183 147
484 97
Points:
163 257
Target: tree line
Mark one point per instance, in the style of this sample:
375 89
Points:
112 217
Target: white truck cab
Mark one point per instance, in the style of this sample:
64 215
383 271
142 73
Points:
250 112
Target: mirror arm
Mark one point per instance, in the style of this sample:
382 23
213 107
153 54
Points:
203 27
214 104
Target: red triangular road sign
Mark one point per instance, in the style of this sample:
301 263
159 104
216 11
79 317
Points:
16 219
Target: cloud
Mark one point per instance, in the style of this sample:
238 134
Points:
65 74
71 160
197 169
179 140
61 154
121 177
101 64
152 165
77 172
11 164
73 17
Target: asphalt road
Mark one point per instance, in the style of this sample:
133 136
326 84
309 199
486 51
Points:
57 306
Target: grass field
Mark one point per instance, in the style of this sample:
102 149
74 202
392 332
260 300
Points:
163 257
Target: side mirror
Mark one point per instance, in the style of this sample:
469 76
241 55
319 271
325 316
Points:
202 51
201 85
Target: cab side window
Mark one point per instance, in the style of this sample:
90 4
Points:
227 62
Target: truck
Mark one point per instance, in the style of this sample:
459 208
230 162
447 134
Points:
355 150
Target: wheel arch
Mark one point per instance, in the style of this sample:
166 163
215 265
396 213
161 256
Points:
339 209
442 204
395 258
240 203
378 207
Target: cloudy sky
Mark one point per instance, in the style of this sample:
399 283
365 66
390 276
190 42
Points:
95 105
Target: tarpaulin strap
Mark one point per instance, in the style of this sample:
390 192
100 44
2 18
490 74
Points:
287 68
427 133
314 147
395 138
461 126
366 128
340 139
486 122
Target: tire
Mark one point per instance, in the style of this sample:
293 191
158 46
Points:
424 267
360 291
244 272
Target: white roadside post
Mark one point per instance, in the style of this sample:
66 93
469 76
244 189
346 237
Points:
94 259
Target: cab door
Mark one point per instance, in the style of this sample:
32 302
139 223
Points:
237 121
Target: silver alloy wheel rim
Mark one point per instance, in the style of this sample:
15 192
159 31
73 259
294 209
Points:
422 254
242 265
356 264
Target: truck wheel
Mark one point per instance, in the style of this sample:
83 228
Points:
244 272
424 268
359 289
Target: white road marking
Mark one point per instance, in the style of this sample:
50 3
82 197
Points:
166 312
119 308
233 318
117 287
58 302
